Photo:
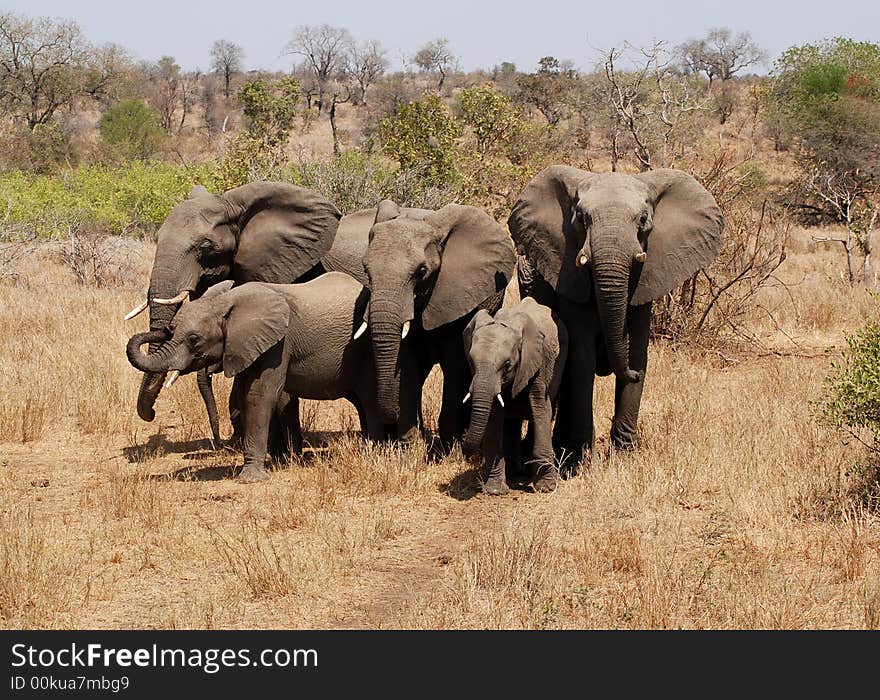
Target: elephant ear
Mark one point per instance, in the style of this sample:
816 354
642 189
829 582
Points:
477 261
218 288
198 191
257 319
480 319
542 225
386 211
531 354
284 230
686 236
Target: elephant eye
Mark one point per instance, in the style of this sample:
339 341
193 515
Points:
422 270
643 219
192 339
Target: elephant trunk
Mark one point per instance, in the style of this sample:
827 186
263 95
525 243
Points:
385 329
163 284
611 272
157 361
483 392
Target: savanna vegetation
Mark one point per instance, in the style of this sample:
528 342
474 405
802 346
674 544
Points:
753 500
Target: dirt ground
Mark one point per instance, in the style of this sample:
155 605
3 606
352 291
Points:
739 510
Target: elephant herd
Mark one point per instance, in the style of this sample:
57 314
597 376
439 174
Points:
271 285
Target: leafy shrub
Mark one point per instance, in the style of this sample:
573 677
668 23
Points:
132 129
137 197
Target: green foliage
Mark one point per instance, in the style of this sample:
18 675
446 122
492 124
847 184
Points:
853 387
136 197
495 122
422 136
132 129
270 107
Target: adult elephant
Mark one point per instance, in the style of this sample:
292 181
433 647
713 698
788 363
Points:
428 273
260 232
599 248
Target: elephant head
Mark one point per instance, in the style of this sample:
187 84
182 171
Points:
628 239
505 353
431 268
264 231
228 327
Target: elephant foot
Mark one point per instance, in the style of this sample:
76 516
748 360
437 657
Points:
252 475
570 457
546 479
626 442
496 487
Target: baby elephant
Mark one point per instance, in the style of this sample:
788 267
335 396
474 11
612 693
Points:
517 359
281 342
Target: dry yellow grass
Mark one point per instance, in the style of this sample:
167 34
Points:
734 513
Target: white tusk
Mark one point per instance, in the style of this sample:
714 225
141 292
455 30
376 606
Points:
583 260
136 310
172 378
360 331
405 330
180 298
640 257
466 398
500 400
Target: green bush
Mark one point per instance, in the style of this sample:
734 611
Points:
132 129
134 198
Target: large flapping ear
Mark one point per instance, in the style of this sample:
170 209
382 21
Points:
686 236
257 319
480 319
477 261
543 227
531 355
284 230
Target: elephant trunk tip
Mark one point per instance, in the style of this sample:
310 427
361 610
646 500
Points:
633 376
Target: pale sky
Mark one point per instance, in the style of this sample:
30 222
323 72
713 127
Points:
480 33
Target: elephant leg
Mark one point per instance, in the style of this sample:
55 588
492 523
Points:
513 450
285 436
573 434
542 461
236 413
204 380
454 415
412 381
494 465
259 401
628 395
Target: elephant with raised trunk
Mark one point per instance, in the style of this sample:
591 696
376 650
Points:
517 360
263 231
282 343
599 248
428 273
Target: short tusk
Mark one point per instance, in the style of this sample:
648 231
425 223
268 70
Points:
405 330
583 260
172 378
500 400
136 310
640 257
360 331
467 397
179 299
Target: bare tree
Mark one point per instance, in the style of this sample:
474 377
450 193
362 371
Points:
189 94
366 63
41 65
340 93
165 77
324 49
650 102
435 57
721 54
226 60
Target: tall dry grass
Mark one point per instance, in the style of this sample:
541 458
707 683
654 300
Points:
737 511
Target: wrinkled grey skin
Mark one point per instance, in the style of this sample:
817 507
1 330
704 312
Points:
281 343
598 248
264 231
518 355
431 271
